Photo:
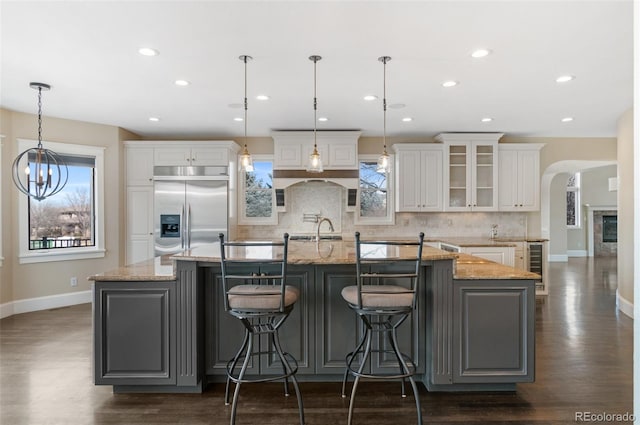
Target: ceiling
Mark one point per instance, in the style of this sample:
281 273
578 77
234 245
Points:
88 52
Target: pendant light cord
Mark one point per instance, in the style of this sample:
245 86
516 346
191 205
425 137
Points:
245 101
315 102
384 103
39 117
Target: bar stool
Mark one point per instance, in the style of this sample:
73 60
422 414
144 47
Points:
384 297
255 292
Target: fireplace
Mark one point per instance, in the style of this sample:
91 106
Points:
609 228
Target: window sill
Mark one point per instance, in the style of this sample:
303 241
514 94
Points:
45 256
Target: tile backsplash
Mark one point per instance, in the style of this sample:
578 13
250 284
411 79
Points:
329 200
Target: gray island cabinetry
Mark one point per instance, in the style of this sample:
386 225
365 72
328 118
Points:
162 328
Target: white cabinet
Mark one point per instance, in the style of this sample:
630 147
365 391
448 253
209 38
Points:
470 171
338 149
139 222
519 176
499 254
190 155
139 166
418 177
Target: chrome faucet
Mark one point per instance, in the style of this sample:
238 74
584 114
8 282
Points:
323 219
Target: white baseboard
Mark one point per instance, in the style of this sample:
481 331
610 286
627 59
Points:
576 253
44 303
624 305
558 258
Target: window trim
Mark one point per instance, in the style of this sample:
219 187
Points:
578 206
390 218
41 256
242 206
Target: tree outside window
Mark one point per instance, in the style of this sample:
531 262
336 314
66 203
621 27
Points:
373 191
65 220
573 201
259 205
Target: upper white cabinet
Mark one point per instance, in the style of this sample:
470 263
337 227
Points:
190 155
338 149
139 166
519 176
418 177
470 171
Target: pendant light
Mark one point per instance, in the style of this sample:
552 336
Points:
315 161
383 160
39 172
246 163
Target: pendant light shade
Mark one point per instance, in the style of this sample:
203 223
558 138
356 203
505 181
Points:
246 163
315 161
39 172
383 160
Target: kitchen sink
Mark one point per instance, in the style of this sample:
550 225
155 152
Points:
313 238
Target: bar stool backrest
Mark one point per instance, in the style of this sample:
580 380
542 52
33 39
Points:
261 263
381 262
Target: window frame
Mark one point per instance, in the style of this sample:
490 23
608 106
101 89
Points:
390 218
578 206
27 256
242 205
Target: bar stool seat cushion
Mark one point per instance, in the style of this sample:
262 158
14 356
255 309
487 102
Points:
379 296
261 297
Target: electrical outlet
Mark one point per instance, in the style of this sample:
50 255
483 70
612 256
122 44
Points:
74 281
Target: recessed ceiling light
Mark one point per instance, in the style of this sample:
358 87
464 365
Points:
487 119
480 53
370 97
450 83
565 78
397 106
148 51
182 83
407 119
239 119
262 97
323 119
154 119
567 119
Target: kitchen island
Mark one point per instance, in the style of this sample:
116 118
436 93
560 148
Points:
160 325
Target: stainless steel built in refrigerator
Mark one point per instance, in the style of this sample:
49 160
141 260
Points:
190 207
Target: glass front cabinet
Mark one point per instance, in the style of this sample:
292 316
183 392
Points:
470 171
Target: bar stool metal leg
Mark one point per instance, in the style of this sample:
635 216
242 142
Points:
234 363
287 368
236 393
365 358
405 369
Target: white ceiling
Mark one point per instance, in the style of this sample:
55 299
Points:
88 52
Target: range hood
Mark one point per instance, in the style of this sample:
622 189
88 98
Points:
285 178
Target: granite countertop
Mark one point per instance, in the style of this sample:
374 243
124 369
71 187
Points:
467 267
463 241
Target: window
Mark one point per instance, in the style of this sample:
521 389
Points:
375 201
258 198
573 201
68 225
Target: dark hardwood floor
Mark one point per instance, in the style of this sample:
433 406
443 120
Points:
583 364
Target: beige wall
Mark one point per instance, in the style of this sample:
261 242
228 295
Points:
626 221
25 281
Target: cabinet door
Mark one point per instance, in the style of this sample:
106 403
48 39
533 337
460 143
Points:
139 224
494 334
343 155
431 180
287 155
529 180
408 181
172 156
209 156
458 182
339 329
484 176
139 166
135 329
499 254
296 334
508 177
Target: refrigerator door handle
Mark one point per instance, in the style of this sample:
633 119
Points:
182 231
189 226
